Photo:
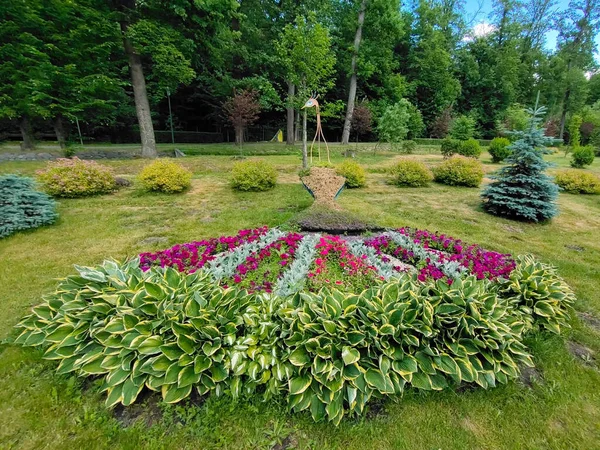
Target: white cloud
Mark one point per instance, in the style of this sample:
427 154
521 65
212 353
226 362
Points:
480 30
483 29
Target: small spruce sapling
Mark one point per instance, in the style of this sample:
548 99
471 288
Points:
522 190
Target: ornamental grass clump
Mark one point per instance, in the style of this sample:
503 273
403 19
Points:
254 175
76 178
22 207
408 173
459 171
165 176
578 182
353 173
522 190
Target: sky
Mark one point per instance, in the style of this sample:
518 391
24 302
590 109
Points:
481 21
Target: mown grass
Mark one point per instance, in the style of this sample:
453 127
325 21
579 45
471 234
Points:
39 409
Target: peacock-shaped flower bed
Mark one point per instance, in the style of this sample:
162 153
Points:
326 322
263 260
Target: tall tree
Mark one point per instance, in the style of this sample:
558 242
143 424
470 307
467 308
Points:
305 53
352 89
577 26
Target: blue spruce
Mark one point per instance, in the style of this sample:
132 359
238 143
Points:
522 190
22 207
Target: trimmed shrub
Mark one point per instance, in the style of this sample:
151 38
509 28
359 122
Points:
22 207
578 182
76 178
459 171
498 149
470 148
353 173
582 156
165 176
253 176
450 147
409 147
411 174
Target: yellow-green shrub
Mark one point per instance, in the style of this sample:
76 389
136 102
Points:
411 173
253 176
578 182
498 149
353 173
165 176
459 171
76 178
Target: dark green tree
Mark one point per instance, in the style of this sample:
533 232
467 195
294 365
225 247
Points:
522 190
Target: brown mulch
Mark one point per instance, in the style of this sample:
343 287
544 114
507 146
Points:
324 184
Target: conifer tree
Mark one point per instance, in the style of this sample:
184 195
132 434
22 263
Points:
522 190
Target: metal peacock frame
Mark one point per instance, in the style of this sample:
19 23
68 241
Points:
312 101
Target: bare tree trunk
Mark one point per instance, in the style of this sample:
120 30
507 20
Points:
27 134
289 135
140 94
239 136
304 142
352 92
297 127
59 130
565 103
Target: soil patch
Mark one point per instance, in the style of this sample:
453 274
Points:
146 411
590 320
530 376
581 352
577 248
376 409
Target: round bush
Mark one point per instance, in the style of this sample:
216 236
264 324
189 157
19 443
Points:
578 182
470 148
411 174
582 156
353 173
76 178
409 147
459 171
253 176
498 149
450 147
165 176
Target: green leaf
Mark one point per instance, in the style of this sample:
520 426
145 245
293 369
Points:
173 394
543 309
317 408
300 357
421 381
186 344
154 290
60 333
201 363
171 351
115 395
187 376
350 355
150 345
299 384
405 366
375 379
218 372
130 392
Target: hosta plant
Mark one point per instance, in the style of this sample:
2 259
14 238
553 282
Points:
329 352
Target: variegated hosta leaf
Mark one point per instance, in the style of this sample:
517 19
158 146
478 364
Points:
328 352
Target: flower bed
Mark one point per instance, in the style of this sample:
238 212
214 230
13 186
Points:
325 322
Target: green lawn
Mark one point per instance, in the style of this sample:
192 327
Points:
39 409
